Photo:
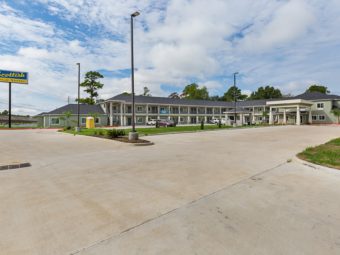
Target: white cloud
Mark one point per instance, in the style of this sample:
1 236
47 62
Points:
288 44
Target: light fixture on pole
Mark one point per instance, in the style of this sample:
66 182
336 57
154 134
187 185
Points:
133 135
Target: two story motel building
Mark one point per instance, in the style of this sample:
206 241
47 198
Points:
302 109
306 108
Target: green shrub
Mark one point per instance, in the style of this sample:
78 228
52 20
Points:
219 124
115 133
202 124
100 132
157 124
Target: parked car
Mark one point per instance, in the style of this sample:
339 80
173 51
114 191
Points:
166 123
214 121
151 122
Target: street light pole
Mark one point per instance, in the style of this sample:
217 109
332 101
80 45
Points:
10 105
133 135
78 106
235 121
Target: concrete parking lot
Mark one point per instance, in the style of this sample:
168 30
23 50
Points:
217 192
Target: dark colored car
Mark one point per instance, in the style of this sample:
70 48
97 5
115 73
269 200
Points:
166 123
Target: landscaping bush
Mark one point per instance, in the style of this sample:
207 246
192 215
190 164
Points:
202 124
101 133
115 133
219 124
67 128
157 124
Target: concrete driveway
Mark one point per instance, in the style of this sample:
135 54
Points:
218 192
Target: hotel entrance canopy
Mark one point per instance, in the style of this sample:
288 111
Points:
284 105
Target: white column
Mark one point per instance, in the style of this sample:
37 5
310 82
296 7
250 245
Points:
253 115
111 114
310 120
284 116
147 113
271 116
298 118
158 109
121 114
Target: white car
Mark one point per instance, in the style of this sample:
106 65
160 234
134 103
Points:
216 121
151 122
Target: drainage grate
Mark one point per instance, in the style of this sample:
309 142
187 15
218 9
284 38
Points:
14 166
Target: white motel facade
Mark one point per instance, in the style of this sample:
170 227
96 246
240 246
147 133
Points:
307 108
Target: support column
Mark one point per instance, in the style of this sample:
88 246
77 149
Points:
147 113
121 115
158 109
253 116
271 122
310 119
298 116
284 116
111 114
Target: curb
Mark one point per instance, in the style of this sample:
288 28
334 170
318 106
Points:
14 166
315 166
143 144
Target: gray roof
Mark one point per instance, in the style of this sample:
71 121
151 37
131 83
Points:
169 101
73 108
316 96
176 101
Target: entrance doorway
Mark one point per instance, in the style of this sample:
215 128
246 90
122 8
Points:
129 121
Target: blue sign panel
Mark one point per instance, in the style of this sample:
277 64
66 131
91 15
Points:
13 77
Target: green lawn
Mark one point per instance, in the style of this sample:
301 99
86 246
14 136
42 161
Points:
179 129
151 130
327 154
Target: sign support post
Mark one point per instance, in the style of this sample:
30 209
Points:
10 104
12 77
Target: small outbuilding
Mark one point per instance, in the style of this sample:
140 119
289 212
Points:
67 116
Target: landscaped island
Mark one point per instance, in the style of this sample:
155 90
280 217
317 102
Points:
327 154
148 131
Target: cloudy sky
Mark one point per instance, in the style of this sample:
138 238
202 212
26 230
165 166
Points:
288 44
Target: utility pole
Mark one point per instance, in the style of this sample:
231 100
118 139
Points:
10 105
235 99
78 105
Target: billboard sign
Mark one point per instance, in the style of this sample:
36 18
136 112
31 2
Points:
13 77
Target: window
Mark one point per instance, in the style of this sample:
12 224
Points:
83 120
97 120
55 121
314 117
322 117
139 120
320 106
139 108
163 110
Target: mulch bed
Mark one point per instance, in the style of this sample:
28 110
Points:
125 139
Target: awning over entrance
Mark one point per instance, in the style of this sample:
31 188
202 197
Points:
282 106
